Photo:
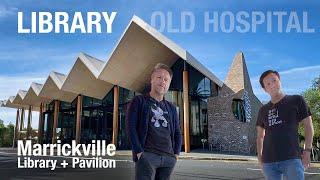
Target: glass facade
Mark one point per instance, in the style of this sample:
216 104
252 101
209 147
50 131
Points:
199 92
125 96
97 115
93 124
200 89
48 123
65 130
66 122
96 119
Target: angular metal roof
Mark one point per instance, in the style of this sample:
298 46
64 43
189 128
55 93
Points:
32 97
52 88
137 52
83 78
129 65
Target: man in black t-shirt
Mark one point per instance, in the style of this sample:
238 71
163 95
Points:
153 128
278 148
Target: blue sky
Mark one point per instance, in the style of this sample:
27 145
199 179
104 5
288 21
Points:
25 58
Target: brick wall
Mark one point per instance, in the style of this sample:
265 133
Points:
224 128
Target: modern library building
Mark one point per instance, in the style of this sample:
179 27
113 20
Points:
89 103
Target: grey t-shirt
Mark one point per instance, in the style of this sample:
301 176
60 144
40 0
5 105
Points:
158 137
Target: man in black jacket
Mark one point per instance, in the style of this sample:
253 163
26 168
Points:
154 130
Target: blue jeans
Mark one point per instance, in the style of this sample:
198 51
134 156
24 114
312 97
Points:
153 166
291 169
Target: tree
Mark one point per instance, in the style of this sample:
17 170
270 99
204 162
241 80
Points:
312 97
316 83
6 135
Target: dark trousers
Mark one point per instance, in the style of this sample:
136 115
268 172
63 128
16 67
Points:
153 166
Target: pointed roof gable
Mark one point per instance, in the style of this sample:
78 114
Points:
52 88
238 76
82 78
32 97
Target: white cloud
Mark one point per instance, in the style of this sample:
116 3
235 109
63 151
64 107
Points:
258 51
29 55
10 85
294 81
7 11
301 70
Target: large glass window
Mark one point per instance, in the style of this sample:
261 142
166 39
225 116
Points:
108 99
174 94
177 79
48 123
96 119
107 123
65 125
200 88
92 120
175 97
125 96
238 110
66 122
199 91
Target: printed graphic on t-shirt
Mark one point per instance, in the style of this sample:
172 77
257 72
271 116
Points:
158 116
273 117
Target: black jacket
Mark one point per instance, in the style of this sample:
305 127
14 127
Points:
137 125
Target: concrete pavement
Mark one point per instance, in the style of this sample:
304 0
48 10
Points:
194 155
203 155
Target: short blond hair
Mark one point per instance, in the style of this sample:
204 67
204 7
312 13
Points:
162 66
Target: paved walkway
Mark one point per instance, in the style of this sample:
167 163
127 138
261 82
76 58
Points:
203 155
195 154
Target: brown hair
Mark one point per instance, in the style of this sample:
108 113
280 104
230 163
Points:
162 66
266 73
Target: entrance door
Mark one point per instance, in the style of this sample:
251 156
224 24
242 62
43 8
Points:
198 123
